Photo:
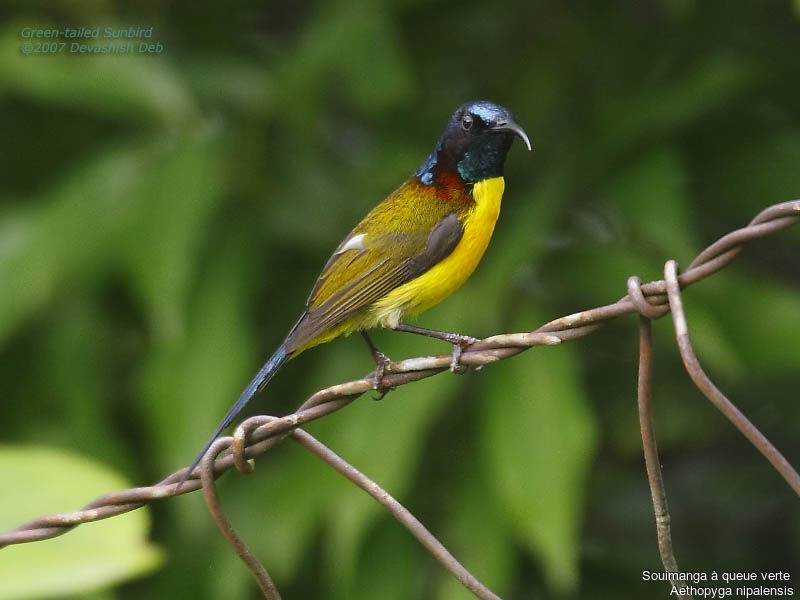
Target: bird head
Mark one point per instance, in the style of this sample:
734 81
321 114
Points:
474 143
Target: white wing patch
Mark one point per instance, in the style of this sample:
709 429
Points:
354 243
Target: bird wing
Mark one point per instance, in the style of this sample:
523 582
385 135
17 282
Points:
394 244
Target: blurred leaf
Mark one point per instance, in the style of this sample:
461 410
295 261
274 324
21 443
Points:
78 378
751 176
122 86
674 105
477 535
379 79
70 232
597 274
177 197
538 440
652 197
527 220
233 82
390 565
204 370
332 50
95 555
762 321
680 8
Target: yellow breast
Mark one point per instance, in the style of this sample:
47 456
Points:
447 276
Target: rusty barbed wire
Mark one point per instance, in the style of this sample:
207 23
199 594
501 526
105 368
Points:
258 434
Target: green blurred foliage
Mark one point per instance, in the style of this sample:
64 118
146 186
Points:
163 217
91 559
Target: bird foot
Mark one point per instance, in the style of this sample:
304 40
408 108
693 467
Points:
460 343
376 377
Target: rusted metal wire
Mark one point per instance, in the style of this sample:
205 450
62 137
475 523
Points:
650 447
207 476
397 510
718 399
650 300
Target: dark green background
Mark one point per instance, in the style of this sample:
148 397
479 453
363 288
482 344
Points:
162 219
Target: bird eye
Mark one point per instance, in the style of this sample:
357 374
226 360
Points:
466 122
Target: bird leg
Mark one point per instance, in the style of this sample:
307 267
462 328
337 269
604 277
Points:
381 362
459 341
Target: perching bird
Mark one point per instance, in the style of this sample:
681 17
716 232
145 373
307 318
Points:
412 250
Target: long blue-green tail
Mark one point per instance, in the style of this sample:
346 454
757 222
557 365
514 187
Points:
256 385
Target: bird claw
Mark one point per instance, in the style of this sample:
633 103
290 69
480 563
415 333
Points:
460 343
455 365
376 377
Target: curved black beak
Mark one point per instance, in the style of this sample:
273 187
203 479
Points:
511 126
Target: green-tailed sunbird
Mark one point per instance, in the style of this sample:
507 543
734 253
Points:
412 250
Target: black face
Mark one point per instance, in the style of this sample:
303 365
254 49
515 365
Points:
475 143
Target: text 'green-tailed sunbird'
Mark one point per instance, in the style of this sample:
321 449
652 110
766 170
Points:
412 250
